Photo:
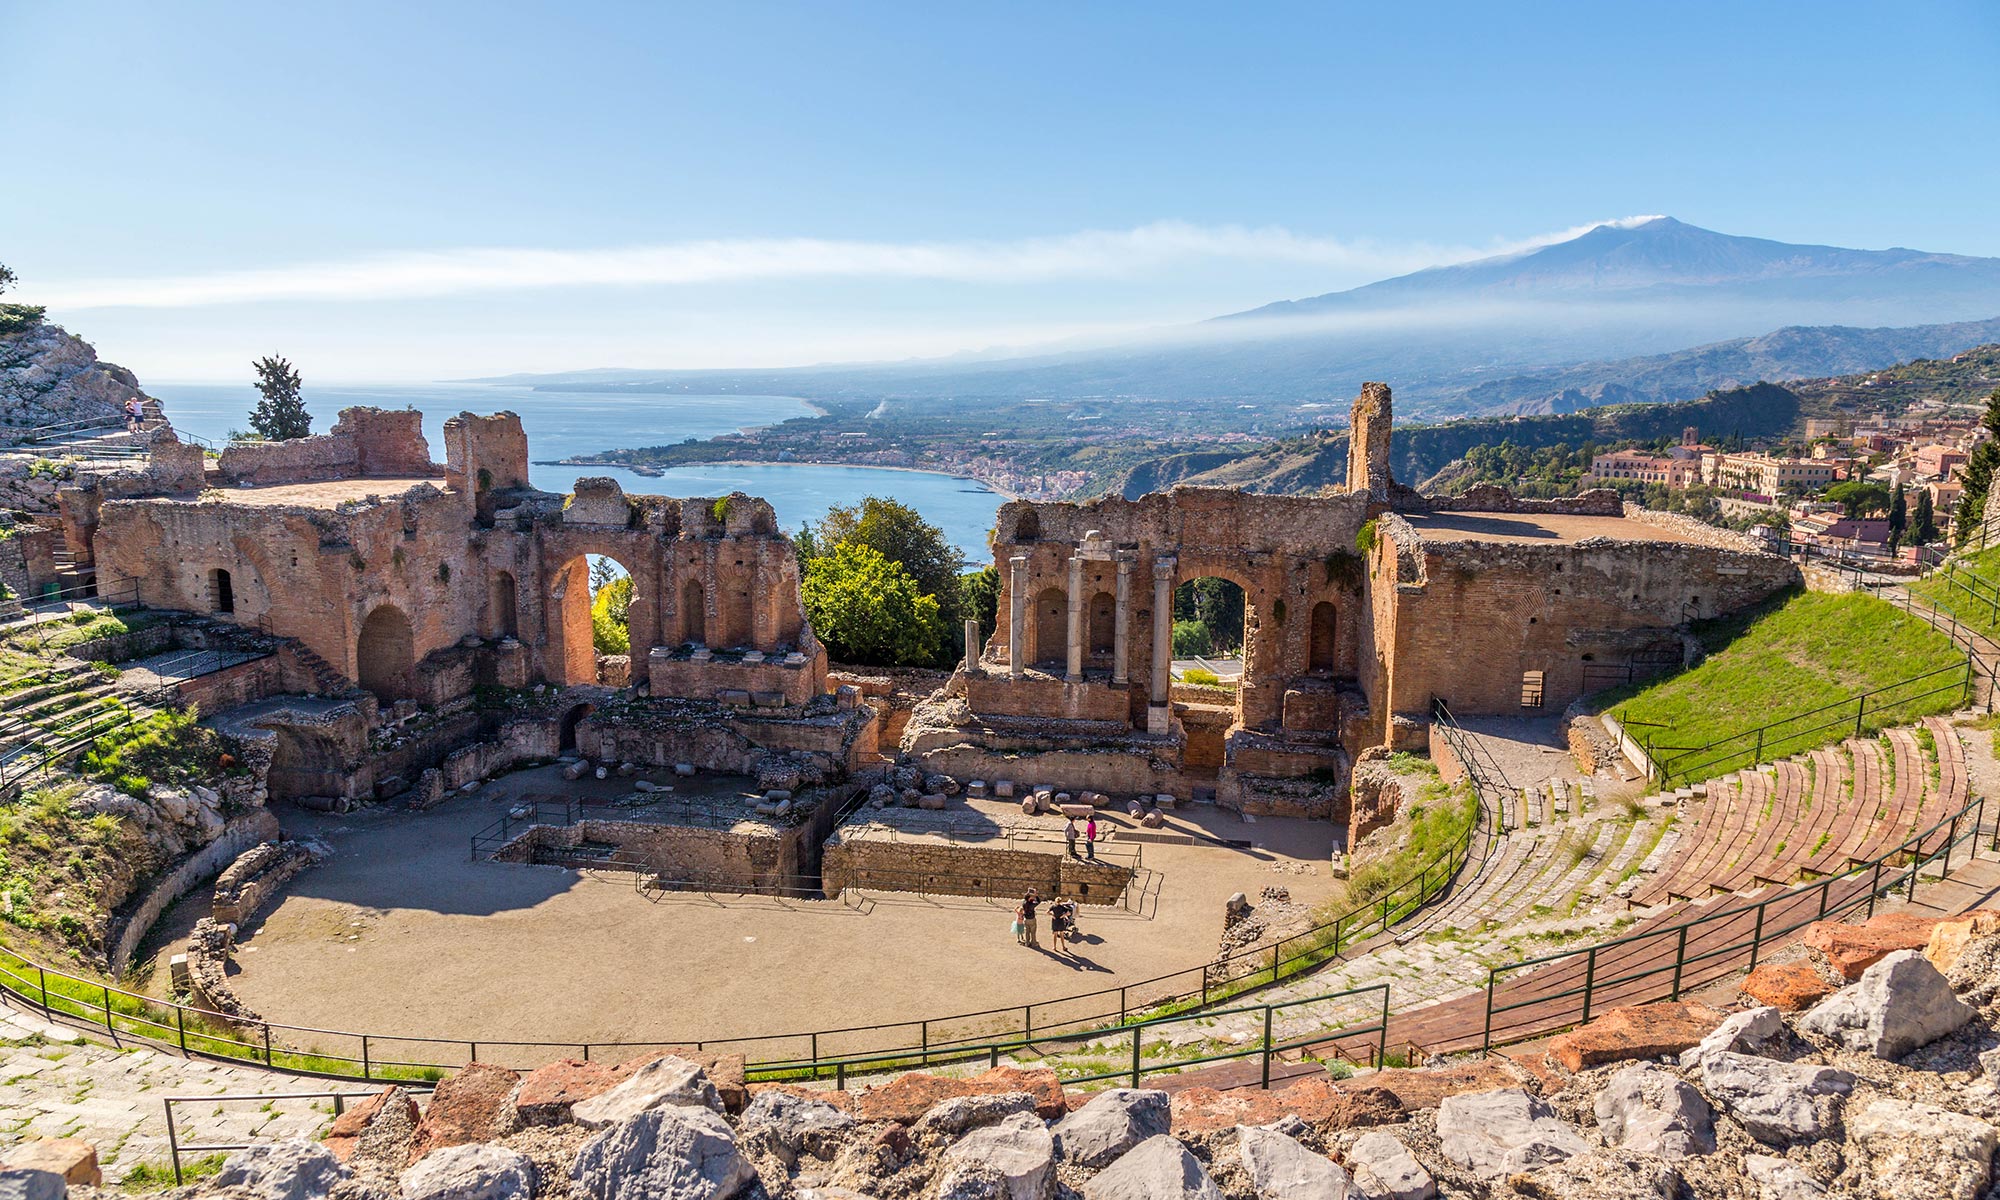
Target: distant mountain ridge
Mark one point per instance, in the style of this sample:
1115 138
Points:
1450 339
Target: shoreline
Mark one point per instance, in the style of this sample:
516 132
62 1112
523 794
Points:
1003 493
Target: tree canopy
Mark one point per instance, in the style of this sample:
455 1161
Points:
1978 474
1858 498
901 535
610 616
281 412
869 609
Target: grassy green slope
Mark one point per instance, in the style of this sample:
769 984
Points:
1970 591
1793 667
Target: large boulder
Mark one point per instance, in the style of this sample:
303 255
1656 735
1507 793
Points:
960 1113
1919 1152
1648 1109
1111 1123
72 1158
1787 987
1384 1169
1950 938
1747 1032
475 1105
1641 1031
673 1153
801 1124
1493 1134
1281 1169
482 1172
907 1098
1781 1178
1901 1003
1158 1168
669 1082
293 1170
31 1183
1017 1149
1319 1102
546 1094
383 1124
1776 1102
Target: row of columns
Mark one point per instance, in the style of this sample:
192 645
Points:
1121 630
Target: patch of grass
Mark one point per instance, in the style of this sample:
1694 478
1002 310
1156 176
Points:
1405 763
168 747
1968 592
156 1177
1781 667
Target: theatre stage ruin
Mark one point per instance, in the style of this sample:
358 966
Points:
432 627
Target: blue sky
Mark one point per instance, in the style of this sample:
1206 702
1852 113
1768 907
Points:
422 191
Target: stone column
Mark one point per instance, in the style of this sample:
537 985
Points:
1121 623
1159 715
1017 615
971 646
1075 672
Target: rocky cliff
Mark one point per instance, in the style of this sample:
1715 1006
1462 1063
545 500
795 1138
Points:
49 375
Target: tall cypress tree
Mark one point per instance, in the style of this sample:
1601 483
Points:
1923 525
1899 518
281 413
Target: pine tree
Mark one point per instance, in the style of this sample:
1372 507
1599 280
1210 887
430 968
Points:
281 413
1923 525
1899 518
7 277
1978 477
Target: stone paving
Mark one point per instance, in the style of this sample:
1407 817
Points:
54 1084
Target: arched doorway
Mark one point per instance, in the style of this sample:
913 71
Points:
1051 628
384 655
1324 650
503 606
591 600
566 740
1208 622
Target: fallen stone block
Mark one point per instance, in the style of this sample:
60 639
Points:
976 790
1787 987
546 1094
478 1172
663 1154
734 697
474 1105
801 1124
933 802
1384 1169
1320 1103
669 1082
1426 1087
1003 789
1776 1102
683 769
390 1111
72 1158
1647 1109
1281 1169
576 770
1158 1168
907 1098
1781 1178
1017 1149
1918 1150
1901 1003
290 1170
1746 1032
1110 1123
1852 949
960 1113
1641 1031
1950 937
1494 1134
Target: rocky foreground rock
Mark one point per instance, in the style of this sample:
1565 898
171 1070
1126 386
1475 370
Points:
1884 1089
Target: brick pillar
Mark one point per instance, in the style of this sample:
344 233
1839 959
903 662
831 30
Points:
1017 615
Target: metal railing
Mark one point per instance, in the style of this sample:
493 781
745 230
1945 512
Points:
177 1148
1905 699
1627 964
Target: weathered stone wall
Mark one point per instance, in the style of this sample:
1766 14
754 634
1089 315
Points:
129 928
257 874
962 870
363 442
760 859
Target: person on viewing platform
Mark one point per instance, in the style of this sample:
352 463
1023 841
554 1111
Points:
1069 838
1090 837
1029 903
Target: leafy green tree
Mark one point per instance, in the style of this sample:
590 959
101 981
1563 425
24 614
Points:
901 535
611 616
1978 475
1218 605
1858 497
1923 525
869 609
281 413
1191 639
979 598
1899 518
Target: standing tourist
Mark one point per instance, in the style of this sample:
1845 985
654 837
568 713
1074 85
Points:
1090 837
1069 839
1029 904
1062 923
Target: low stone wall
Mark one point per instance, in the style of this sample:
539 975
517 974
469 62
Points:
208 971
964 870
1118 773
364 442
515 742
773 684
232 686
250 882
130 928
1491 497
1048 697
767 861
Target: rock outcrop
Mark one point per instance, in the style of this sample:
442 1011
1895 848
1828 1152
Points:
49 376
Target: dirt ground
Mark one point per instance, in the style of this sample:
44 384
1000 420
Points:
400 933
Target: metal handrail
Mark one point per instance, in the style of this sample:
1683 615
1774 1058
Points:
1592 984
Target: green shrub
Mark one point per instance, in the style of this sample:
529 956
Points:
1201 677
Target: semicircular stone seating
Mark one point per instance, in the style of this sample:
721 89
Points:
1812 814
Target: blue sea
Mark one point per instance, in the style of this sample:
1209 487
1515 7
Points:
564 424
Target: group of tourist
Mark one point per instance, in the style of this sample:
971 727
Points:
1089 838
1062 921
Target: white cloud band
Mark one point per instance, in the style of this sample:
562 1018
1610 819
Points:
1089 254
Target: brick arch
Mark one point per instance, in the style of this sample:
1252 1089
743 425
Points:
385 654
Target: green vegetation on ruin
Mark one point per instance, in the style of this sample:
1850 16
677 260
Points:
1793 666
1969 592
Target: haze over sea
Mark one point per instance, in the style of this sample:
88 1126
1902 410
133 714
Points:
566 424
